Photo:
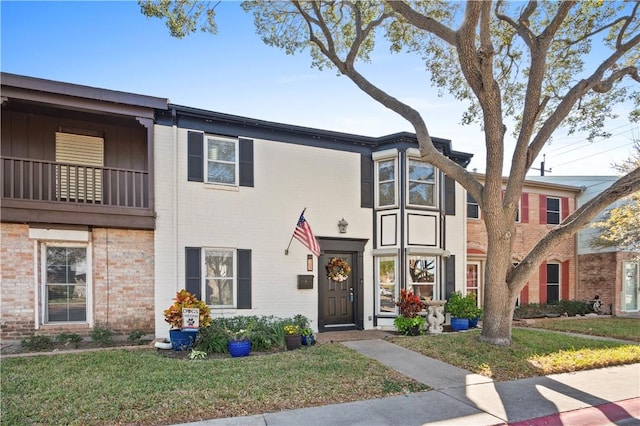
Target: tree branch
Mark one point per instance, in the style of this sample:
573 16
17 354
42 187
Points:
423 22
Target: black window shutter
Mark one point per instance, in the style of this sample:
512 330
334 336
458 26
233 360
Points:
246 162
192 271
195 156
366 181
449 196
244 279
450 275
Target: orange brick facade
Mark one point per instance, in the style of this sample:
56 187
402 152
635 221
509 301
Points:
122 285
528 232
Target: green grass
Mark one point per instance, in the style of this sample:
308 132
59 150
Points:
143 387
617 328
531 353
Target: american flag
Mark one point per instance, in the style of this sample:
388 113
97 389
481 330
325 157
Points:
304 234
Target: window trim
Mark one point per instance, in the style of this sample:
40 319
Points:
42 302
204 277
236 162
474 203
378 161
434 183
396 283
436 273
559 284
559 211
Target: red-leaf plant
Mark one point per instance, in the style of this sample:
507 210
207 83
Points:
410 304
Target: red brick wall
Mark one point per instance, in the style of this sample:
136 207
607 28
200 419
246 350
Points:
527 235
122 286
16 277
601 274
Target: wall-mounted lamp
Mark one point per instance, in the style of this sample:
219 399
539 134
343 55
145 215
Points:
342 226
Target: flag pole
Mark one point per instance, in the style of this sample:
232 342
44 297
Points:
286 251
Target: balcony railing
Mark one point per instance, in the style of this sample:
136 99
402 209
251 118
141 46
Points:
36 180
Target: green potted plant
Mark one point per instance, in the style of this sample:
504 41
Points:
306 332
183 339
239 342
461 309
409 322
475 312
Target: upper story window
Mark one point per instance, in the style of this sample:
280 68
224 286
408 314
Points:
421 183
473 209
387 183
386 177
553 210
222 166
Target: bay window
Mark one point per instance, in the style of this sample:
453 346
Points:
421 184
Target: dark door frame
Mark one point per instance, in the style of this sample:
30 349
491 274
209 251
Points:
348 245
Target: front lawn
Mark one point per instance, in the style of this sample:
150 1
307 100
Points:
615 327
145 388
532 353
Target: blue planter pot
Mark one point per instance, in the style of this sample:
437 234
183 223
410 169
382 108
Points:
459 324
473 322
308 340
182 340
239 348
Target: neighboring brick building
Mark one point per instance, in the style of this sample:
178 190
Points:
611 274
542 206
77 211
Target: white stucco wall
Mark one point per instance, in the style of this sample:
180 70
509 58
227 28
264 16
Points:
262 218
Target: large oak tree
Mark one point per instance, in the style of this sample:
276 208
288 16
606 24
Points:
539 65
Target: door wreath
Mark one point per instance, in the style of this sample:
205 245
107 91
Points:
338 270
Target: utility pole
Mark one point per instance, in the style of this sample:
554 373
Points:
542 169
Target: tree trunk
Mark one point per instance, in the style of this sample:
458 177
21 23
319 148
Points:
499 299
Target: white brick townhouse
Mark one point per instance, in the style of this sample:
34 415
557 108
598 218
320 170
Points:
229 191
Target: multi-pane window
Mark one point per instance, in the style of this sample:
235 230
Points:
65 295
553 210
219 277
422 276
553 282
387 284
473 209
473 279
222 157
387 183
422 183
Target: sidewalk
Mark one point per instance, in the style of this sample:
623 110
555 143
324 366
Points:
604 396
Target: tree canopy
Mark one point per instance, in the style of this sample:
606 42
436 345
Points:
537 66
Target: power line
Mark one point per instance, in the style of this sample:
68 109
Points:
591 155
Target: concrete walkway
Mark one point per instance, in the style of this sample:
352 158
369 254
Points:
604 396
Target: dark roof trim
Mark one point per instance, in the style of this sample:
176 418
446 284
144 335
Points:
87 92
233 125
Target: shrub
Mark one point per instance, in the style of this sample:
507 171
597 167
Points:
135 337
69 339
536 310
37 343
410 326
102 335
461 306
266 333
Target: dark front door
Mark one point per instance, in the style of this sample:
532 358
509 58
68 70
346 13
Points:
337 299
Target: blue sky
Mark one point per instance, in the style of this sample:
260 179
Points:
112 45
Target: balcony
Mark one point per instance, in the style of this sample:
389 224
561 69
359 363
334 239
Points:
55 192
